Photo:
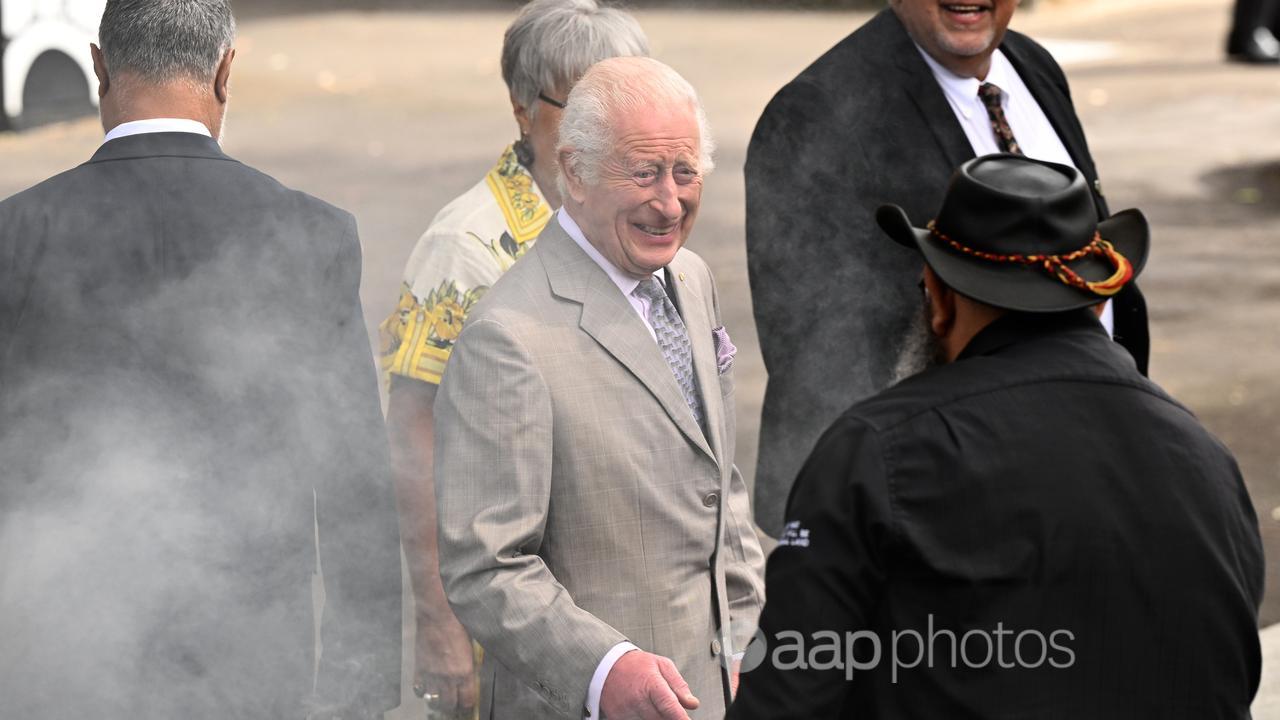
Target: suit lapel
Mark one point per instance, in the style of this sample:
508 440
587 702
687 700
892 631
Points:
918 82
1054 104
608 317
705 366
1057 107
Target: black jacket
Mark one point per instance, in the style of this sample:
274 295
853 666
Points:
1038 486
865 124
185 380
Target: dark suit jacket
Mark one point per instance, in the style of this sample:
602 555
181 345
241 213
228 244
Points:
865 124
1059 537
185 379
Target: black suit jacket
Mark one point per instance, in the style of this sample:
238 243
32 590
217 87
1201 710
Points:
1043 529
185 382
865 124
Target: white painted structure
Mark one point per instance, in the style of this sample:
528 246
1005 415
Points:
30 28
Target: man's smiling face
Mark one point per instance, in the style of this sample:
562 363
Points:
959 34
642 207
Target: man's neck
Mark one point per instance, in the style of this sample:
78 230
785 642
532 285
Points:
176 100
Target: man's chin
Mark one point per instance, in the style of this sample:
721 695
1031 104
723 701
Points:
968 43
654 253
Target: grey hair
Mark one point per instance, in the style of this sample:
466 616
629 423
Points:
166 40
616 86
553 42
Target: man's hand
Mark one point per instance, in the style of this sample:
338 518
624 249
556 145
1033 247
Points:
734 677
445 665
644 686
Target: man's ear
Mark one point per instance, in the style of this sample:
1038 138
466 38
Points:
522 116
222 77
100 69
942 304
572 180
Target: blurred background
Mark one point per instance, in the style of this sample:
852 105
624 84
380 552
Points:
390 108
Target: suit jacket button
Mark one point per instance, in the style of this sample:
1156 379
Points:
715 647
711 500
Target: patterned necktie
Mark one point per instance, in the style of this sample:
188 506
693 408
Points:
991 95
673 340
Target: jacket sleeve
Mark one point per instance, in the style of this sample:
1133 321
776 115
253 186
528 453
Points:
826 577
493 466
359 539
744 574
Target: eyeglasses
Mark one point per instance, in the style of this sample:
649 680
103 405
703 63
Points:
550 101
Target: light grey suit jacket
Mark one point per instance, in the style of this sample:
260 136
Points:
580 504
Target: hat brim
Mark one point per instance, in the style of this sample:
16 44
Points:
1027 288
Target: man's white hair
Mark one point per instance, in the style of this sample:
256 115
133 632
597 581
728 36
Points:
622 86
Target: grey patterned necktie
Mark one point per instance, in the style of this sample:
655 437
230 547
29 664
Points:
673 340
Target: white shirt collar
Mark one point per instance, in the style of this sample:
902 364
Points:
625 283
157 125
963 91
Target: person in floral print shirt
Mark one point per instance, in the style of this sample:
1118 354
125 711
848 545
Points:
466 248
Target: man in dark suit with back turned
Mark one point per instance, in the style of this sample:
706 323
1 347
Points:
189 418
884 116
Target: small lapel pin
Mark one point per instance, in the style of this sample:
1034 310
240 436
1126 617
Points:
681 276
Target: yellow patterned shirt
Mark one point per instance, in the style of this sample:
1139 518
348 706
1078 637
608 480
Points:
467 247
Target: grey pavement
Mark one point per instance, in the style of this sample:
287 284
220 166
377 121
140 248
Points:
390 115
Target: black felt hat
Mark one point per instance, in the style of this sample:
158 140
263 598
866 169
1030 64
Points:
1024 234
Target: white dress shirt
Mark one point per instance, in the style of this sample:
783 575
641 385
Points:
156 125
1035 134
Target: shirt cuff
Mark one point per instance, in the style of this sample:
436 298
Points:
602 672
737 657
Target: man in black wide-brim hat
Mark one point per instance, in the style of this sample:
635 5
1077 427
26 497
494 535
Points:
1024 526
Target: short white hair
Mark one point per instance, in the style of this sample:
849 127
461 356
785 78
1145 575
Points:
553 42
622 85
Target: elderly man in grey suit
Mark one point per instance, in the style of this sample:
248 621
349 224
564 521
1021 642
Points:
595 536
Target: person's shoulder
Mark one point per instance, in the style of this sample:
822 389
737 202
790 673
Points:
834 85
475 210
1023 42
906 399
519 296
689 262
858 52
309 205
43 194
1025 49
462 225
457 239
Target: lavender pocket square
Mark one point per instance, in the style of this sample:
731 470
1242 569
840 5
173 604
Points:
725 349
